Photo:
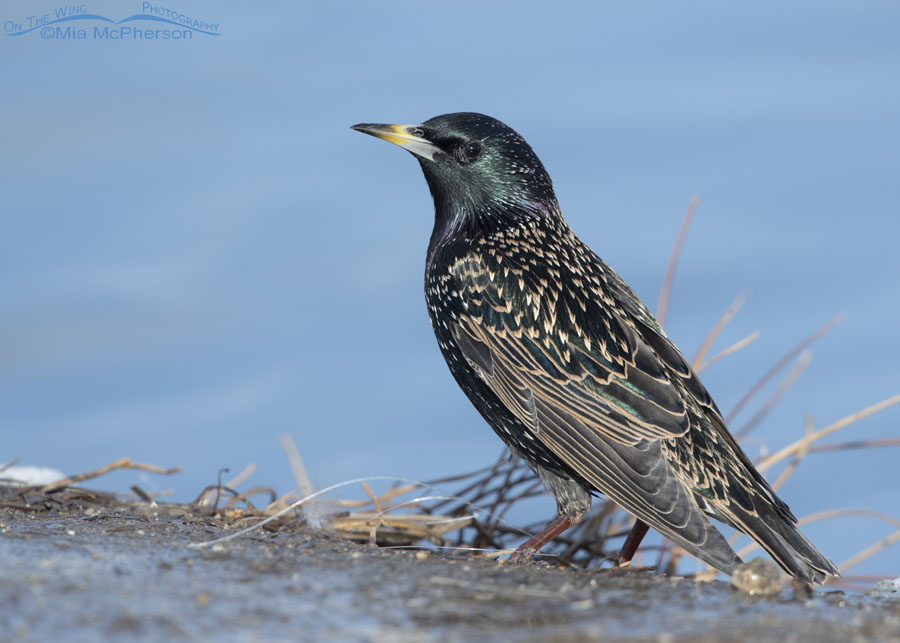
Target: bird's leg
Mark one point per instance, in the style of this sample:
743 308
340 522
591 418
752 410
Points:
534 544
632 542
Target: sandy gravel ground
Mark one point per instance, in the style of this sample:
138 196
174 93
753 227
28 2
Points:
87 570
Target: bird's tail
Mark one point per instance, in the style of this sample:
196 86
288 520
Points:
779 536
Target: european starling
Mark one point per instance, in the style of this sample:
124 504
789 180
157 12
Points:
567 365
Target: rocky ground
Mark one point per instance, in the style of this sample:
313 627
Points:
88 567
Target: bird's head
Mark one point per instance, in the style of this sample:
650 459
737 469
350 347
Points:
482 174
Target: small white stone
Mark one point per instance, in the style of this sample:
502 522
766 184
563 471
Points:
757 577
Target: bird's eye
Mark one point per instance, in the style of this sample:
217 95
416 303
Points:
418 132
468 152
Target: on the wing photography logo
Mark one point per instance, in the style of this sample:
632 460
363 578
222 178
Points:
76 22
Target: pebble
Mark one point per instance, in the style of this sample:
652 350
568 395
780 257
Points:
757 577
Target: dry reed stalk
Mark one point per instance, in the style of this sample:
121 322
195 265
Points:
668 278
123 463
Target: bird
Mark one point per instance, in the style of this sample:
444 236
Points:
569 367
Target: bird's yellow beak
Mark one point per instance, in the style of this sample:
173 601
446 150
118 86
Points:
409 137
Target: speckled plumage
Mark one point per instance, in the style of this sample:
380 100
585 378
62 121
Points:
567 365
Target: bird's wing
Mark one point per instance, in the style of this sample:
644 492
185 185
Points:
576 350
635 475
578 373
651 333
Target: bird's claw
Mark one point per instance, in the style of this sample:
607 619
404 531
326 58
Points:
521 556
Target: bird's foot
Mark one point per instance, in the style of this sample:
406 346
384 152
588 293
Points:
632 542
618 563
522 556
533 545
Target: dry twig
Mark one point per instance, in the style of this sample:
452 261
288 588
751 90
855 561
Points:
124 463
